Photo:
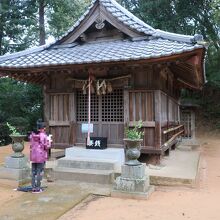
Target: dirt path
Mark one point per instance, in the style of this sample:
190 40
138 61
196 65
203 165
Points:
201 203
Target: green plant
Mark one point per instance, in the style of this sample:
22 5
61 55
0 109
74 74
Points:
135 133
12 129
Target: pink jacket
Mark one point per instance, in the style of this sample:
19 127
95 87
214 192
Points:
39 146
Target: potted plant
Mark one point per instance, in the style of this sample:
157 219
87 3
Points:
17 141
133 143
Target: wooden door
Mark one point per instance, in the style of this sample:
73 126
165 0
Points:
61 118
107 116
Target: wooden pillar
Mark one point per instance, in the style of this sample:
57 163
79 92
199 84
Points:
46 107
157 102
126 107
72 113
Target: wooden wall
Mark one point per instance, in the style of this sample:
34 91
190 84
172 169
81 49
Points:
154 99
59 110
149 95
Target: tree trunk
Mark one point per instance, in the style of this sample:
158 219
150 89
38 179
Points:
1 37
42 33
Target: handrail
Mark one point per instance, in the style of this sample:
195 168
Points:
172 138
172 129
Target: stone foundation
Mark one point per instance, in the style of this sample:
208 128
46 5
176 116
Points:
16 169
133 183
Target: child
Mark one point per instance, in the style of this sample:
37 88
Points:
39 145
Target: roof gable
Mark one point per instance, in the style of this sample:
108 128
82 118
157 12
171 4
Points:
102 11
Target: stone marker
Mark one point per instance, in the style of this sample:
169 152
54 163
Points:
133 183
16 166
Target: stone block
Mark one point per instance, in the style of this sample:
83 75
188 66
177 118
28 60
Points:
21 176
131 185
17 169
133 195
87 163
133 172
16 163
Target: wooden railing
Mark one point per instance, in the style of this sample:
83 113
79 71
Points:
172 134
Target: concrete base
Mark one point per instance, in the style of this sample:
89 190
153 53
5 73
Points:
133 195
190 142
114 154
16 169
133 183
16 163
179 169
84 175
89 165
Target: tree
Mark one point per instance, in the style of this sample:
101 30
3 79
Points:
62 14
16 23
20 105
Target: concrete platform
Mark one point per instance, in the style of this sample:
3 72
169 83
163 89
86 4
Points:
178 169
116 155
57 199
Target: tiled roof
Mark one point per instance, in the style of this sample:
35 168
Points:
119 13
108 51
130 20
154 44
126 17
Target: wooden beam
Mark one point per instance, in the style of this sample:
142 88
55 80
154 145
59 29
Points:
172 138
147 124
150 150
157 107
188 84
59 123
172 129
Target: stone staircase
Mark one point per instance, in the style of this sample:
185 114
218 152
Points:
91 166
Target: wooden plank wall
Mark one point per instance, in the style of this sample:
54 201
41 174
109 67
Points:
59 110
59 118
141 107
170 115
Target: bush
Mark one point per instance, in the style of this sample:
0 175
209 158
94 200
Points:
4 134
21 124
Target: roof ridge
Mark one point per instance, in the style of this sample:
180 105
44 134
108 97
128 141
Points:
173 36
130 14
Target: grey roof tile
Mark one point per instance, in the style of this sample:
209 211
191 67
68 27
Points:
108 51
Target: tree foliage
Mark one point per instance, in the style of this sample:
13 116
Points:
63 14
20 105
17 26
25 23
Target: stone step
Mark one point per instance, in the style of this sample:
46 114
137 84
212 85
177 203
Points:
84 175
87 163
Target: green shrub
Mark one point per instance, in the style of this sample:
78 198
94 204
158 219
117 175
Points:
135 133
4 134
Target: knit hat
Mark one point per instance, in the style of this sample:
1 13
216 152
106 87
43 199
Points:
40 124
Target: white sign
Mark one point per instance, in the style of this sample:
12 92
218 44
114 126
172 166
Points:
87 127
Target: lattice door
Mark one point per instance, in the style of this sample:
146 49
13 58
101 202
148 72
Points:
186 120
82 107
107 115
113 107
